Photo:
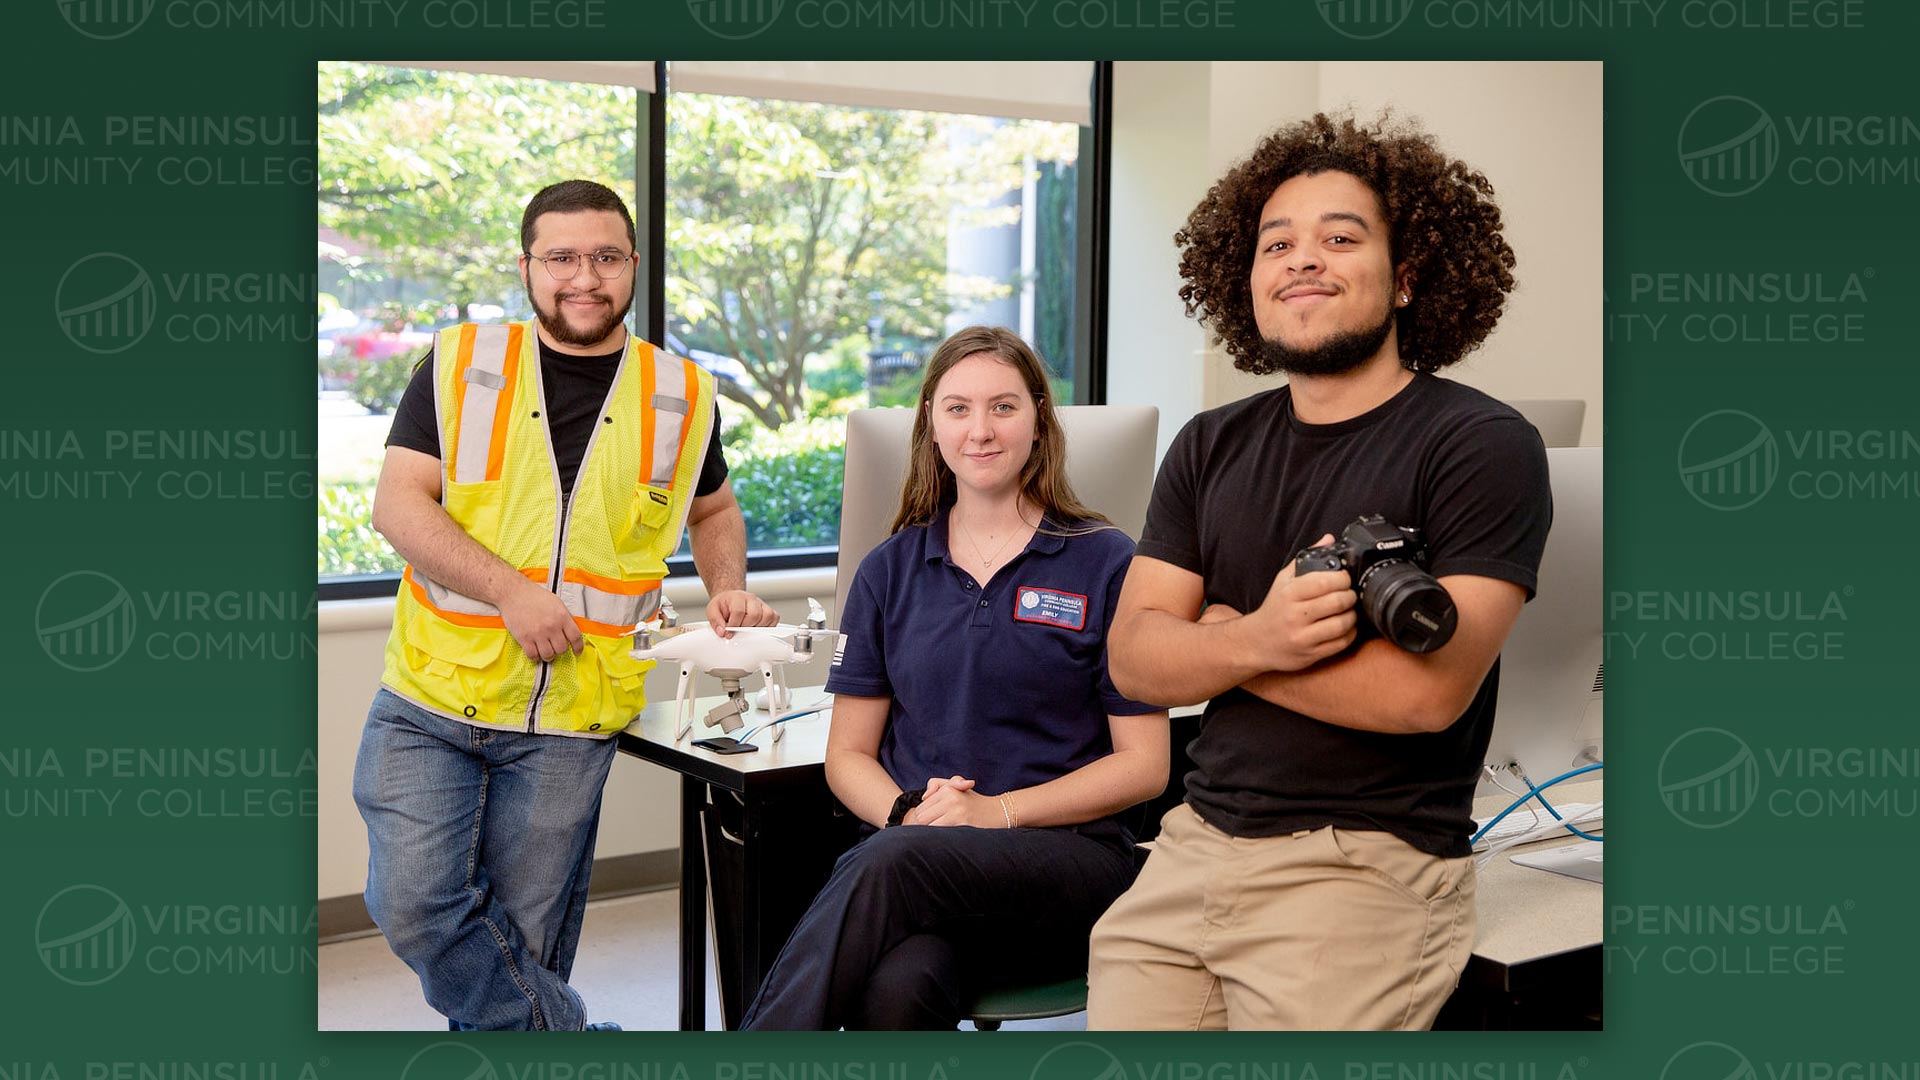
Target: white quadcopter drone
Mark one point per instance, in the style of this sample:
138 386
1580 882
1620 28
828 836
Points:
766 649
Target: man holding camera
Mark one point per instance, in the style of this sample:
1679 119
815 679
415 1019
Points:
1318 875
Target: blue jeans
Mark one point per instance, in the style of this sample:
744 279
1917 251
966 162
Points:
482 843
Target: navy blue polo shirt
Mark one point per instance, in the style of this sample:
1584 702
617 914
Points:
1007 684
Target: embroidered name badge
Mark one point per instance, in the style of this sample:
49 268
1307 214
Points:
1050 606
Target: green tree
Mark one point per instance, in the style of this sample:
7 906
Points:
790 224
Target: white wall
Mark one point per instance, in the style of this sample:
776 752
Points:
1533 128
1155 354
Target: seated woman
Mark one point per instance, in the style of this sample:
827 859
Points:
974 727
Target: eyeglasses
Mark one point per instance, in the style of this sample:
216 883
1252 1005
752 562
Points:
565 265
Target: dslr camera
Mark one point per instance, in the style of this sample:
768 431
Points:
1388 564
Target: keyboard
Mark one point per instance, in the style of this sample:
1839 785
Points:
1530 820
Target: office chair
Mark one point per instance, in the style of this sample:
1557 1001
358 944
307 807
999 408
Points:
991 1006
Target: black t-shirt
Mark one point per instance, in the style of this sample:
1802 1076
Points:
1245 487
576 390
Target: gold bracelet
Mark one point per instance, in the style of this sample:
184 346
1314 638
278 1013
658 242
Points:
1006 815
1008 811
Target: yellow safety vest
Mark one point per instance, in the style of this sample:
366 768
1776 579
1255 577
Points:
604 554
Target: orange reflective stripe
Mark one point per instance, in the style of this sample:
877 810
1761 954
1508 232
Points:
463 359
647 410
687 422
610 585
462 618
497 448
588 626
457 618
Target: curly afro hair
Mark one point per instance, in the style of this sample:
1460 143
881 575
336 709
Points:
1442 225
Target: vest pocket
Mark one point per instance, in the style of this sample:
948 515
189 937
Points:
475 505
462 666
639 551
619 683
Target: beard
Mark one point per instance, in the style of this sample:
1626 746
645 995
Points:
1337 355
557 327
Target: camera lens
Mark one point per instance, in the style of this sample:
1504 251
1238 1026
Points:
1407 606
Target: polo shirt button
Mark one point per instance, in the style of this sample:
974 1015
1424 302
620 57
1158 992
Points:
983 603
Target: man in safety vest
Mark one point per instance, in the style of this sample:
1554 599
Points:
537 477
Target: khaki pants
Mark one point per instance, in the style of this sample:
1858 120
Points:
1321 930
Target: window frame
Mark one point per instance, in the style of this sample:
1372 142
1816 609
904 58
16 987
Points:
650 197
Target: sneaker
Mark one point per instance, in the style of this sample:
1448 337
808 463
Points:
604 1025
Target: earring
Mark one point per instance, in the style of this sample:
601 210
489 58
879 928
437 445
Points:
1405 299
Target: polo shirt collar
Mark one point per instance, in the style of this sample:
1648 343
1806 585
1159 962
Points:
1045 541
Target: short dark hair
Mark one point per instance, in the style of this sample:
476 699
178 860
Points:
1442 223
568 197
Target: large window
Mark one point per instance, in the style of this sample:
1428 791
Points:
816 253
813 252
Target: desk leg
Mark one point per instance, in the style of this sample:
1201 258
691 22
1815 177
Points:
753 871
693 906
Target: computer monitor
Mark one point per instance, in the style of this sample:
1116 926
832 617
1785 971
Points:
1547 716
1109 462
1557 420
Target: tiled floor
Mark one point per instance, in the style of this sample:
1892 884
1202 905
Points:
626 970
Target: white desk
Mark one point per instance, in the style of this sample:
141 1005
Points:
758 836
1539 932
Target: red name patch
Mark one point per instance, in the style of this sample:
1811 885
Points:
1032 603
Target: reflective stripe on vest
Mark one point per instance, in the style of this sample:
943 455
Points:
599 605
671 405
486 366
675 396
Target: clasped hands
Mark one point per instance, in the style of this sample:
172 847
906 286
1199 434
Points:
952 801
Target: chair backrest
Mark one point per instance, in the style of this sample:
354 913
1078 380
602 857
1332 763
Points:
1109 461
1557 419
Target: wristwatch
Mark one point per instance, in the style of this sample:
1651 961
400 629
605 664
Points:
907 801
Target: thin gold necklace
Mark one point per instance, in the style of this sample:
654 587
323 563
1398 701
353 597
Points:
986 559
